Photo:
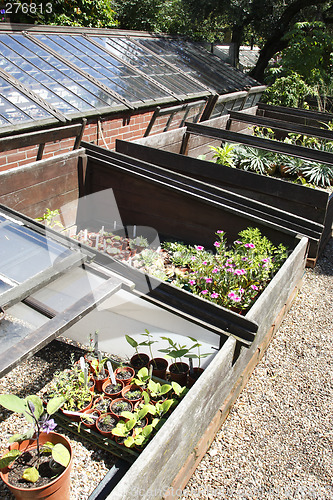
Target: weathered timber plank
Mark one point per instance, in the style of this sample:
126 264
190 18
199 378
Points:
162 140
41 136
259 142
287 196
323 133
296 113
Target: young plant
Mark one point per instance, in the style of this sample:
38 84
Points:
158 391
198 356
175 350
142 377
33 410
49 219
149 342
225 155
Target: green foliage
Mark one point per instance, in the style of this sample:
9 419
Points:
255 160
224 155
89 13
289 91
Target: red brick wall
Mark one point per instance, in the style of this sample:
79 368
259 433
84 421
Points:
126 127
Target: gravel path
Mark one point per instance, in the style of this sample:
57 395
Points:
277 441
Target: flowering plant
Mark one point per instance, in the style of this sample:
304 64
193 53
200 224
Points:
232 276
33 410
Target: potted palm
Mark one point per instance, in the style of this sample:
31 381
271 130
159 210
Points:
38 462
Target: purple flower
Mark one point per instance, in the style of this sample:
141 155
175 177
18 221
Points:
2 11
217 244
214 295
209 280
192 282
48 426
254 287
244 259
215 270
199 247
204 292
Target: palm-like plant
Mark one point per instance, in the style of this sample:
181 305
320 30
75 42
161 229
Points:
321 174
255 160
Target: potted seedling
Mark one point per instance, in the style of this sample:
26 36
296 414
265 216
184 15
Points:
142 378
132 393
124 374
157 391
139 359
178 370
117 406
38 460
101 375
123 430
195 372
159 365
106 423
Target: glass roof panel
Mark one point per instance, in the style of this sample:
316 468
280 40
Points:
24 253
103 67
49 77
203 69
119 78
152 66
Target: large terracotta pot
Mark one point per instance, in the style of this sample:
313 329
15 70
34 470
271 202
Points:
58 489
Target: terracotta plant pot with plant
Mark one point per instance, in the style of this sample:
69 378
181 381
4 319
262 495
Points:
89 418
160 366
38 463
106 423
117 406
132 393
124 374
111 390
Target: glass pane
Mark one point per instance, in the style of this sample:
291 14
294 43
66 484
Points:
22 102
149 64
24 253
38 64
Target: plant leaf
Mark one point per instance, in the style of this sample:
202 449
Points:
13 403
21 437
31 474
132 342
38 407
61 454
9 458
54 404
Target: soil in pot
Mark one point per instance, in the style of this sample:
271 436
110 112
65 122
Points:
100 379
112 390
160 366
132 393
124 374
179 372
54 486
102 404
106 423
119 405
139 360
90 422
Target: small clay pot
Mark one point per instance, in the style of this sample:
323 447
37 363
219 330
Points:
178 372
124 374
87 423
132 387
112 393
139 361
193 377
114 401
160 366
106 428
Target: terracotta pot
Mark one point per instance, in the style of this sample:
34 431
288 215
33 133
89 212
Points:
99 382
160 371
86 423
192 378
139 360
58 488
121 369
107 434
132 387
112 395
75 418
113 401
178 372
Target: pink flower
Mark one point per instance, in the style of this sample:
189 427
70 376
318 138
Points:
209 280
239 272
204 263
237 299
249 245
204 292
244 259
238 242
241 290
220 231
199 247
215 270
193 257
192 282
217 244
214 295
231 295
254 287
